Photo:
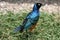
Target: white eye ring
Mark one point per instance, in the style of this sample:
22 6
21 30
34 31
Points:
38 4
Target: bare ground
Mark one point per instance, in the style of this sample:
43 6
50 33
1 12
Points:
6 6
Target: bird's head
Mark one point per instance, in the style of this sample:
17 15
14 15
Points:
37 6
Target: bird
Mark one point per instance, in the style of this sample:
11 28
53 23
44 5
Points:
31 19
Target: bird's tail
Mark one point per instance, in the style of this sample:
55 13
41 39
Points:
19 28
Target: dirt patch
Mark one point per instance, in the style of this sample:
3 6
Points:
6 6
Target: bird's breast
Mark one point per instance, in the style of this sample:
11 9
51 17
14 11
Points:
34 15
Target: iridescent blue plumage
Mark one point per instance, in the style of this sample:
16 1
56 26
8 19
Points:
31 19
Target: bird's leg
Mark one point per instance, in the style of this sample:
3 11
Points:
26 35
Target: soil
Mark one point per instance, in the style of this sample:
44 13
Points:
16 7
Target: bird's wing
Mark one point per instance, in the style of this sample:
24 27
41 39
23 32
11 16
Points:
21 27
28 22
26 19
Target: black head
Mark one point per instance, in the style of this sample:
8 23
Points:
38 5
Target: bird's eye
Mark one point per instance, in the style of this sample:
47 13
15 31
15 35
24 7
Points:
39 4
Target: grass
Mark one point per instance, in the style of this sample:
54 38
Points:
48 27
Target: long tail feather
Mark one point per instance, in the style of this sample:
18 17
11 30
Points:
19 28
